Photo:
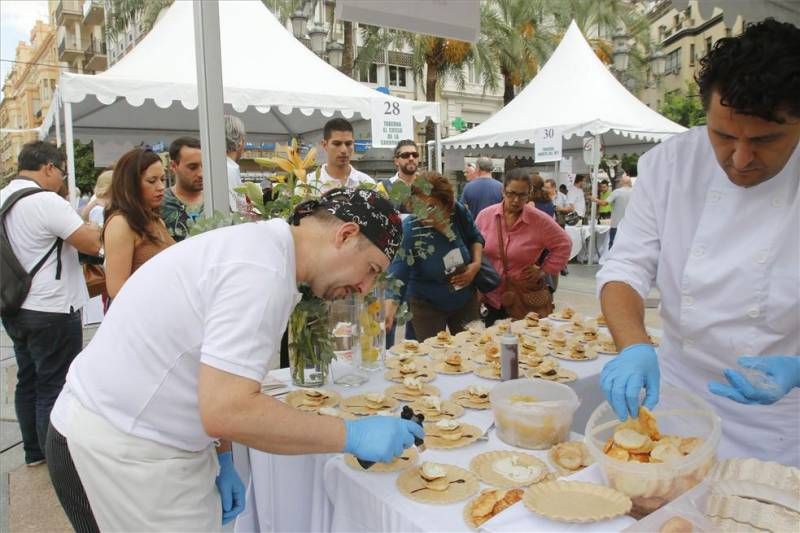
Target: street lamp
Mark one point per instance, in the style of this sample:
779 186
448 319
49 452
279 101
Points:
317 35
299 20
658 63
621 51
335 54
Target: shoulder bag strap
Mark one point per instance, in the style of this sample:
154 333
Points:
9 203
501 243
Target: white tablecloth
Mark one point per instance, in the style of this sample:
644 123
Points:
312 492
579 235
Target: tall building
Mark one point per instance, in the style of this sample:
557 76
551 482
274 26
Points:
80 34
27 91
684 38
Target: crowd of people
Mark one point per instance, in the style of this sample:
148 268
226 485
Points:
173 374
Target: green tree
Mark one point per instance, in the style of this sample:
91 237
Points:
124 13
85 171
520 42
684 107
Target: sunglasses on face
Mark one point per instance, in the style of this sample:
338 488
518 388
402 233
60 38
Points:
406 155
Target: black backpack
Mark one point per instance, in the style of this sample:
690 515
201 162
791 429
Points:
16 281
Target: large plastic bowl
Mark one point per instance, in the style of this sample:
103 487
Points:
537 425
651 485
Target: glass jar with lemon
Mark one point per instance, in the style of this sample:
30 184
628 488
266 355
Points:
372 338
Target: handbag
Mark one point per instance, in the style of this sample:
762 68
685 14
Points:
527 292
95 278
487 279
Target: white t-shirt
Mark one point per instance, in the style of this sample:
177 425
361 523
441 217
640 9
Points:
236 200
619 203
97 215
576 198
222 298
32 226
323 182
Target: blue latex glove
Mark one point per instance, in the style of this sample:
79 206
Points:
231 489
779 375
380 438
624 376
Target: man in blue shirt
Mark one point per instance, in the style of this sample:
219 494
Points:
484 190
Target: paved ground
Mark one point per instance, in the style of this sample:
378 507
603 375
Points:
27 500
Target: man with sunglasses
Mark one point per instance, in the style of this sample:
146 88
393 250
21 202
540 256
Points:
45 235
338 143
406 160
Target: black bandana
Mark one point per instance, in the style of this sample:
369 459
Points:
378 220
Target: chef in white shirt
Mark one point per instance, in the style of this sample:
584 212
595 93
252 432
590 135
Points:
337 142
179 360
714 221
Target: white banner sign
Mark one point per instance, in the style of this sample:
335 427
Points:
591 152
547 145
391 122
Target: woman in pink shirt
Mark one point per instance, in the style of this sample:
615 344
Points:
527 232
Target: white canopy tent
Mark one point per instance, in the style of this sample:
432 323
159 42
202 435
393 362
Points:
152 92
576 93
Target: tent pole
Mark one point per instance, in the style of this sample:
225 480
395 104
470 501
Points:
210 105
56 102
429 161
593 177
438 146
73 196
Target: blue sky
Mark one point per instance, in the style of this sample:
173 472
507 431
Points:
16 21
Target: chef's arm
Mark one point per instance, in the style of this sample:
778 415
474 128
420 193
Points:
233 408
623 309
224 446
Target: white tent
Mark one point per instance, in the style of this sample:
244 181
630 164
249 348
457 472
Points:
270 79
574 91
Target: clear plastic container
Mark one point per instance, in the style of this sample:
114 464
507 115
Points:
538 424
652 485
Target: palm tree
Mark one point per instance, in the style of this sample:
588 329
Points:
520 41
125 13
433 59
599 20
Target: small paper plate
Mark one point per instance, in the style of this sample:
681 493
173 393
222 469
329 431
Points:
358 405
575 501
400 392
464 399
470 434
463 484
562 375
450 410
398 349
466 367
482 466
469 519
296 397
424 372
586 457
487 372
407 459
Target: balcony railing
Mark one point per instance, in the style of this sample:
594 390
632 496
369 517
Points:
66 8
68 46
93 12
95 47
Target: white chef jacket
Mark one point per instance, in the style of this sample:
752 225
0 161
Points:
725 259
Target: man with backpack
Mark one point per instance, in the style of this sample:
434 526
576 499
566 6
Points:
43 286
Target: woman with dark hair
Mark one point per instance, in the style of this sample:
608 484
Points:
540 196
134 231
526 233
441 254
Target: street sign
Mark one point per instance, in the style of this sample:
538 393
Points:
547 144
391 122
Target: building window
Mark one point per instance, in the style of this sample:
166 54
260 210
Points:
369 74
673 62
691 55
471 125
474 74
397 76
709 44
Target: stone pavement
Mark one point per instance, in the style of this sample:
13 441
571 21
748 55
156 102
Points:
27 500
